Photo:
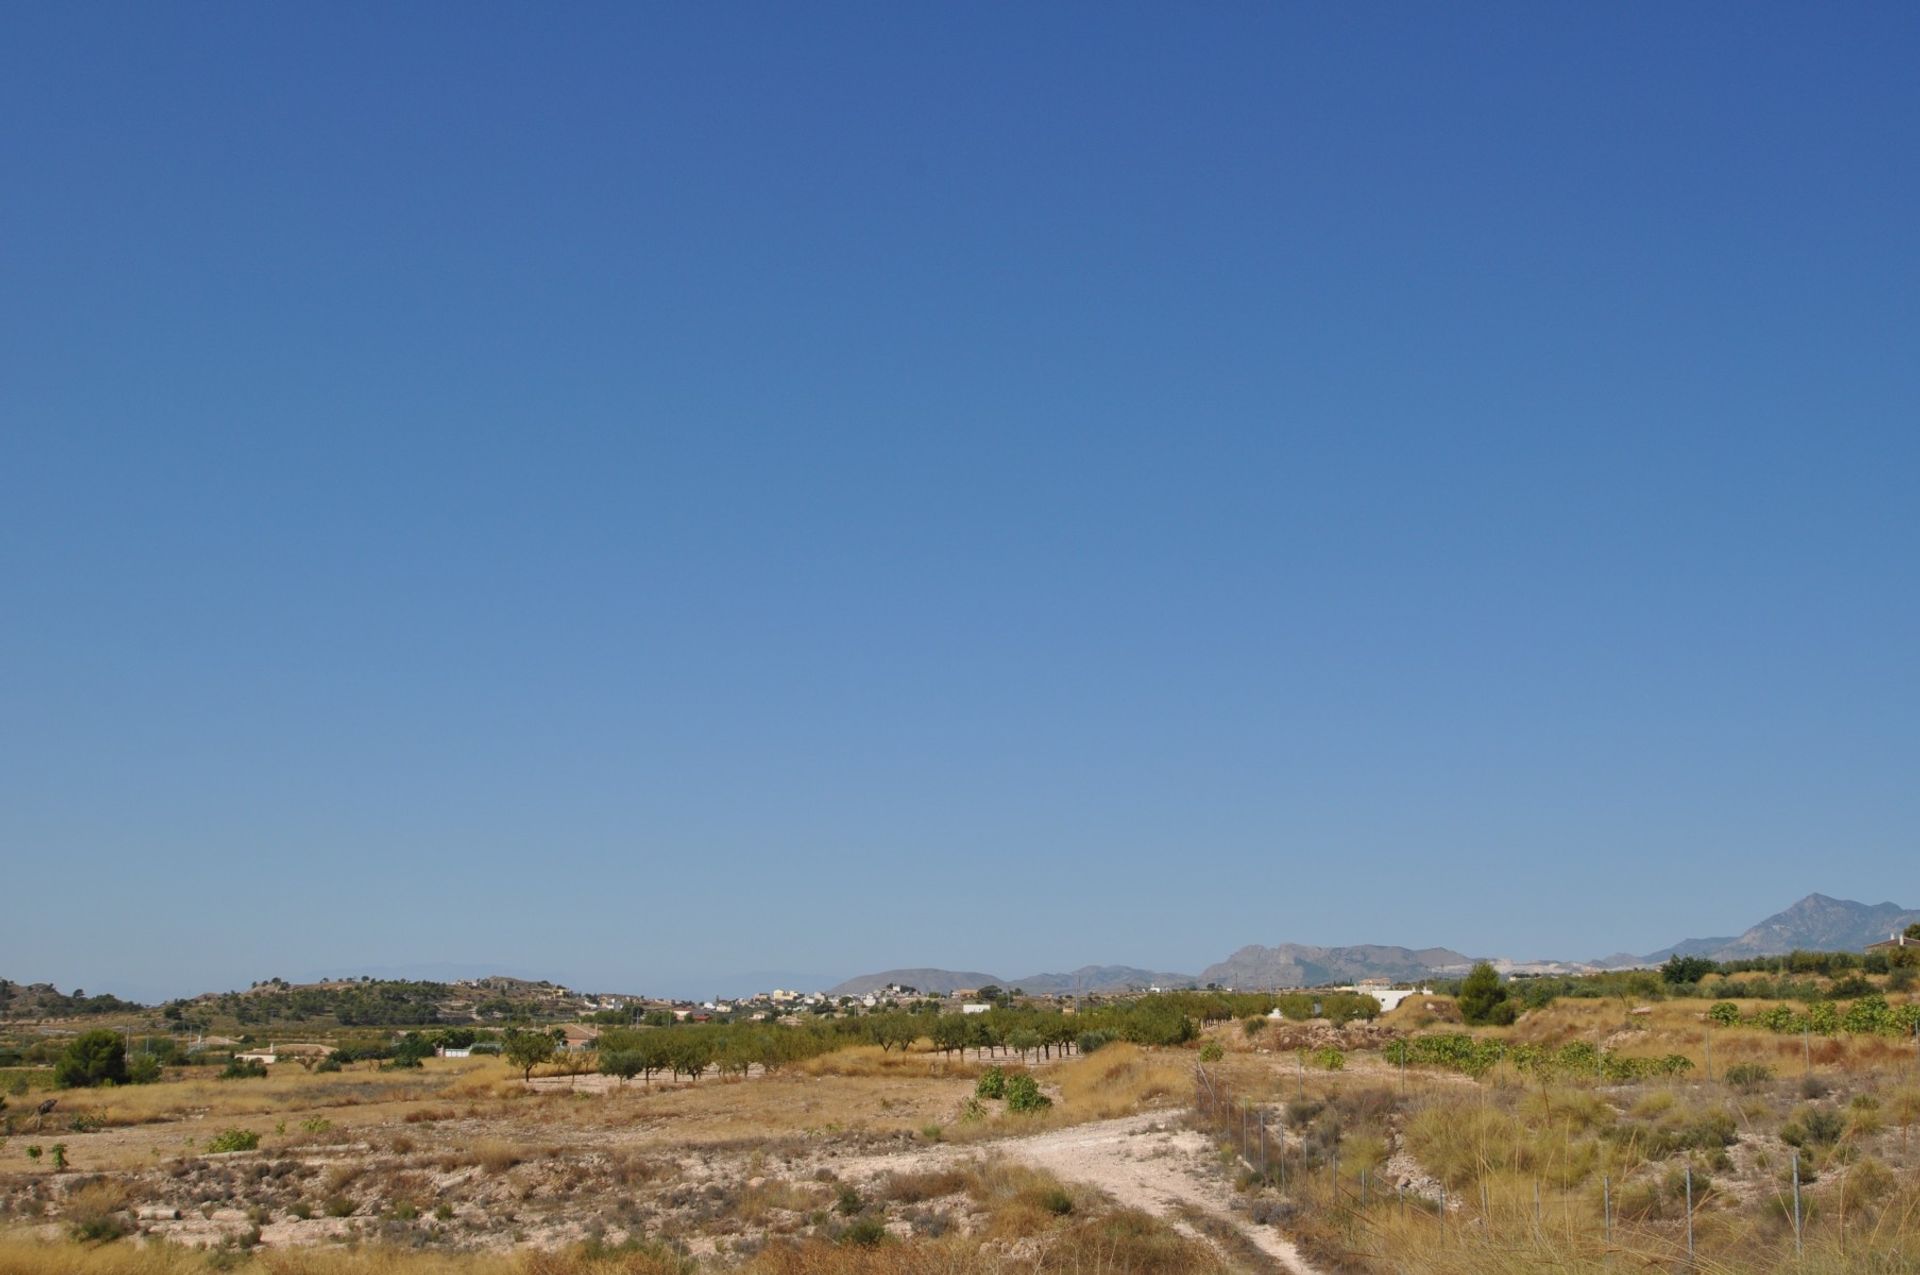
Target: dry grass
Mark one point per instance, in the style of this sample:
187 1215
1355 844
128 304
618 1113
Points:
916 1188
776 1195
1118 1080
27 1257
871 1060
286 1089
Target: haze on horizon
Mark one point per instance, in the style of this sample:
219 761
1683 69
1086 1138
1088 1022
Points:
641 495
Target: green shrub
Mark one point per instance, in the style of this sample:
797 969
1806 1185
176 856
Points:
1211 1052
992 1084
1725 1013
245 1069
1813 1127
1089 1042
867 1232
1329 1059
233 1140
1023 1094
1748 1076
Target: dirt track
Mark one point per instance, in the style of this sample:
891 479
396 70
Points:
1140 1161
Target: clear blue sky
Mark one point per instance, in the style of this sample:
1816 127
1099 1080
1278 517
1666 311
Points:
644 493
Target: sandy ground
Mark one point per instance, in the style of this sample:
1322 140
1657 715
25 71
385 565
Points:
1138 1160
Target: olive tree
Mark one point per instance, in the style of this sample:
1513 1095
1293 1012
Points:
527 1049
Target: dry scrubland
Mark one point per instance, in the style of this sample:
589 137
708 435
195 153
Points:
460 1166
1532 1169
869 1161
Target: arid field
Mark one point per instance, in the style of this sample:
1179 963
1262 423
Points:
1262 1145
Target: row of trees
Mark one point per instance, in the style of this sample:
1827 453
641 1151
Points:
1801 976
1477 1055
1867 1016
1682 972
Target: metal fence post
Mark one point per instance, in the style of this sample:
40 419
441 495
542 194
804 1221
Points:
1606 1209
1689 1217
1797 1249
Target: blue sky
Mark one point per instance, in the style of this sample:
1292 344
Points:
648 493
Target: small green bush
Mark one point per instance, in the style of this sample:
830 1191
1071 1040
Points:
1813 1127
1748 1076
1023 1094
233 1140
1211 1052
867 1232
993 1084
245 1069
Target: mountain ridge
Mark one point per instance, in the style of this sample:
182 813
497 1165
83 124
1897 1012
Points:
1815 922
1818 922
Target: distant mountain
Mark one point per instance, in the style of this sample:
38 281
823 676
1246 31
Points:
1816 923
937 982
1620 961
1298 965
1099 978
1088 978
1685 947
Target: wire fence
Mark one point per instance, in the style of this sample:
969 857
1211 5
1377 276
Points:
1370 1213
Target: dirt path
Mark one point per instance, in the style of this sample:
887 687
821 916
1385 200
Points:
1137 1160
